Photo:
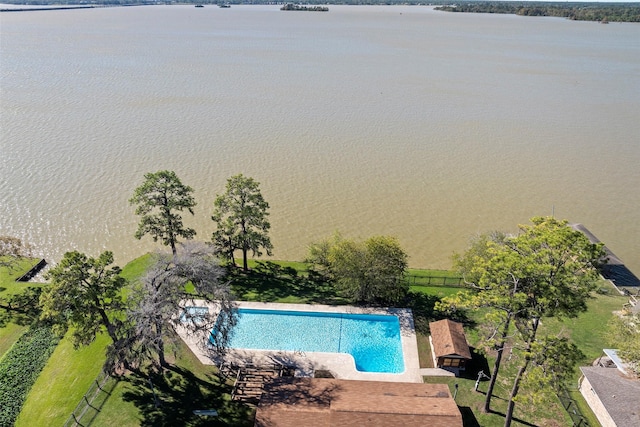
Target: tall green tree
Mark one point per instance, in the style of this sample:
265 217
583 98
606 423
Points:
85 294
553 362
547 270
21 308
558 267
159 200
241 216
496 289
366 272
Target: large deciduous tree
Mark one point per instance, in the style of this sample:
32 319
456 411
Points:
157 302
85 294
159 200
494 289
367 272
558 268
241 215
547 270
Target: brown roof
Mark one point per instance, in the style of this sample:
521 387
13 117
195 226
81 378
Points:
448 339
323 402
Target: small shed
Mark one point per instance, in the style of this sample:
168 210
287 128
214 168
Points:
449 345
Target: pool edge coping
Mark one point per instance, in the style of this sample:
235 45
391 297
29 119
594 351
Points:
342 365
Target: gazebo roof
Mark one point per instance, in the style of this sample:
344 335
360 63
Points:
448 339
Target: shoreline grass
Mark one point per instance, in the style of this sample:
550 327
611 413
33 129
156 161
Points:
10 333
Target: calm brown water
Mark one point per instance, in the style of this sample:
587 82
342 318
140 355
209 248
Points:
368 120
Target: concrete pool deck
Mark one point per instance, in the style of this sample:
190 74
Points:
341 365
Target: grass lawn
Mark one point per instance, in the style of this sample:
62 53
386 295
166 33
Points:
8 276
62 383
188 385
589 329
424 351
8 286
9 335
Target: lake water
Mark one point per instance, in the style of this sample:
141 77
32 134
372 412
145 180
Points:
398 120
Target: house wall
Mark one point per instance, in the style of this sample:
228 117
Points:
451 362
595 404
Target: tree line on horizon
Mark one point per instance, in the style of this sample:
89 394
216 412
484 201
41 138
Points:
578 11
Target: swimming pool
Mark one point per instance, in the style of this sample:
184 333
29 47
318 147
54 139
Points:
372 339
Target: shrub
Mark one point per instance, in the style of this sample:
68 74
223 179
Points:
20 367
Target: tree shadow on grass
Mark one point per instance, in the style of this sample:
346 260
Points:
270 282
423 307
169 399
21 308
468 418
478 363
516 420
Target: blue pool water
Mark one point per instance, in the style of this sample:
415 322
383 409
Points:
372 340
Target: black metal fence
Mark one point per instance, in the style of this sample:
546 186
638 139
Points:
92 401
569 404
434 280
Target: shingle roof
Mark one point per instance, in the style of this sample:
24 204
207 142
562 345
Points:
448 339
296 402
619 395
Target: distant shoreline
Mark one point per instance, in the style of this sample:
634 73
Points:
39 9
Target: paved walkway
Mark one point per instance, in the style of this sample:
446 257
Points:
436 372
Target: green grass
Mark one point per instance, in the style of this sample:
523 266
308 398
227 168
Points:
282 283
471 402
8 276
136 268
62 383
10 333
186 386
439 291
424 351
589 329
